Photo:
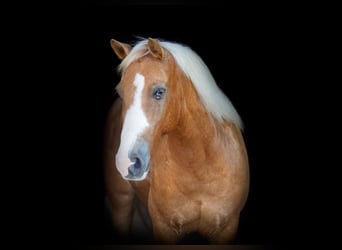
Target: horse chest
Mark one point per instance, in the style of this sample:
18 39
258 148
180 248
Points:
187 212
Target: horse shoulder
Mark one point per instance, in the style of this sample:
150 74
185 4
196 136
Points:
236 166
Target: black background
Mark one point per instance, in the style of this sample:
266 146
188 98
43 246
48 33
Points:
263 57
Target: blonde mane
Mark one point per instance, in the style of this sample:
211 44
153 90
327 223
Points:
215 101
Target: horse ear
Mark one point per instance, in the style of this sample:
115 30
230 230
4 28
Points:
120 49
155 48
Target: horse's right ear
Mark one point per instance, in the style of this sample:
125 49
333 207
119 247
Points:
120 49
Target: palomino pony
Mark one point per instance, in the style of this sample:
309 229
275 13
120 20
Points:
173 139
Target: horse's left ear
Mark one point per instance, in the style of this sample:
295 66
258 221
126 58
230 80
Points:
155 48
120 49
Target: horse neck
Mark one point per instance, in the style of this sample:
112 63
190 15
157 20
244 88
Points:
196 134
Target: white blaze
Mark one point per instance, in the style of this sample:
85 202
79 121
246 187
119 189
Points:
135 123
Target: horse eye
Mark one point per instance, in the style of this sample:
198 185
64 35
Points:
159 93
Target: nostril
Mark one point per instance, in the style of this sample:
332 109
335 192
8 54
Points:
137 163
136 168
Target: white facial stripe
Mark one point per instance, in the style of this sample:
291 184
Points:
134 124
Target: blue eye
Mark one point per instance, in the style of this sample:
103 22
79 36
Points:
159 93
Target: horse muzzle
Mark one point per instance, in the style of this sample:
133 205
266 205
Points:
139 155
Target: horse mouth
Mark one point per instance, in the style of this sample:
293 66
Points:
136 172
